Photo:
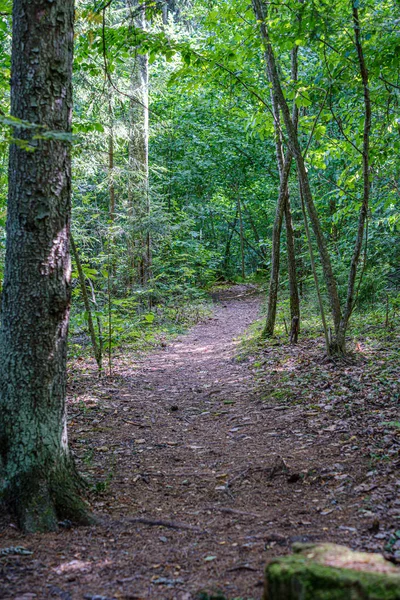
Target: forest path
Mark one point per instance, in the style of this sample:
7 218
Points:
205 474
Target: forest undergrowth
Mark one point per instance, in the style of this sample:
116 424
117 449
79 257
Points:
215 452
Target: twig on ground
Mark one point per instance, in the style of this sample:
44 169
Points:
233 511
136 424
242 568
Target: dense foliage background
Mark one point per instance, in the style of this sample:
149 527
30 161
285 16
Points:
206 211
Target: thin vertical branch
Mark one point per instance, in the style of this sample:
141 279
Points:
365 169
239 205
82 280
314 272
109 306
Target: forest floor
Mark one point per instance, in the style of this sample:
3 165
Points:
209 460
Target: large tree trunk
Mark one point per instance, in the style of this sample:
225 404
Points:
39 481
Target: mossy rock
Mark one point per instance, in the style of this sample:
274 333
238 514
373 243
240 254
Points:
331 572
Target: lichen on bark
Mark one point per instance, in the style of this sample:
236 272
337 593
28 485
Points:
38 479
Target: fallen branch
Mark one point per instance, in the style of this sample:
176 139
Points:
242 568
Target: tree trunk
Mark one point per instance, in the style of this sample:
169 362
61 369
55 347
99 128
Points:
291 255
39 481
96 345
168 8
239 207
139 152
275 253
283 207
111 174
290 247
294 145
341 337
255 230
314 272
228 242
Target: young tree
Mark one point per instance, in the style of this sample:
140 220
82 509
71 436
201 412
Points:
39 480
341 315
294 145
282 208
139 146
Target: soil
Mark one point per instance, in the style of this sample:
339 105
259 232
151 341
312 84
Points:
204 465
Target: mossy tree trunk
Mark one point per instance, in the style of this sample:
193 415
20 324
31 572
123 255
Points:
38 478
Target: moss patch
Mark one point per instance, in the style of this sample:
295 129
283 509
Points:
330 572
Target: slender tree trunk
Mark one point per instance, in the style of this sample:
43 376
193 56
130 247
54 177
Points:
294 145
283 208
254 228
314 272
139 151
275 253
290 246
111 185
214 235
40 483
341 337
229 241
168 8
111 174
291 254
97 349
239 206
248 244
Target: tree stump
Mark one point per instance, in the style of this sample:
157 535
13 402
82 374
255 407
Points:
331 572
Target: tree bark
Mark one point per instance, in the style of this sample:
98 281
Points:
228 242
39 481
290 246
314 272
111 186
96 345
168 8
341 337
239 208
139 152
292 272
268 330
283 208
254 229
294 145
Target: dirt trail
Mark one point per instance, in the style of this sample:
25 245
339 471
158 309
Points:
203 478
